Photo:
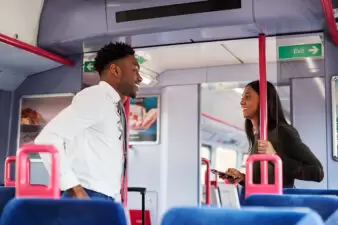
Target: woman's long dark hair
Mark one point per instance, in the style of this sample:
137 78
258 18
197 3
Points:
274 108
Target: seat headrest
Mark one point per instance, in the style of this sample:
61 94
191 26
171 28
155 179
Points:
218 216
325 206
29 211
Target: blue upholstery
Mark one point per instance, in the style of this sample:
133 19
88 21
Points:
28 211
220 216
241 195
293 191
325 206
6 194
333 219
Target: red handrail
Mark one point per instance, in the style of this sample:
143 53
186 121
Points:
125 178
263 126
207 181
331 22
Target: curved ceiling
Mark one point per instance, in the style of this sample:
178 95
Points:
218 53
157 60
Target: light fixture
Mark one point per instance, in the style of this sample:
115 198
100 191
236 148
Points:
146 77
311 65
238 90
146 80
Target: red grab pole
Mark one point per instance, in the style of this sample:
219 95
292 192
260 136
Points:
263 125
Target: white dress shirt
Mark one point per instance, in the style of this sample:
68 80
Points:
88 135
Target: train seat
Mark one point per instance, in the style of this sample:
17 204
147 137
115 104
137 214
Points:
219 216
325 206
297 191
6 194
29 211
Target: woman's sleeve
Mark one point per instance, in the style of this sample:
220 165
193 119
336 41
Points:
298 160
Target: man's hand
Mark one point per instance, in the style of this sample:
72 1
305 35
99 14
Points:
78 192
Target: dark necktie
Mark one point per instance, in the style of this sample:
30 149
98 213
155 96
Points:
125 148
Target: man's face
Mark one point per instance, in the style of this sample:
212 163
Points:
130 78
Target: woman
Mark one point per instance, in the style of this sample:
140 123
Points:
298 160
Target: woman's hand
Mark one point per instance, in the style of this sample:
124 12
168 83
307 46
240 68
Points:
233 176
265 147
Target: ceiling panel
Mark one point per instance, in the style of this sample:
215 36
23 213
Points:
156 60
247 50
219 53
22 62
160 59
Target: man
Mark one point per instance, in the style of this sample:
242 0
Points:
89 133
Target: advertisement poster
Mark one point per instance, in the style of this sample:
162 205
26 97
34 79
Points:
144 120
36 112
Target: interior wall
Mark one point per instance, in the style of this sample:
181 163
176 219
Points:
331 68
180 153
169 170
5 118
60 80
144 168
309 117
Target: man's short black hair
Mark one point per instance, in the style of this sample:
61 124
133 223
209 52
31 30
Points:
111 52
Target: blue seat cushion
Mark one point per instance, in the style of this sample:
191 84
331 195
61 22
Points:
28 211
220 216
325 206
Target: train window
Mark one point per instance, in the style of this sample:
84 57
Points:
245 157
225 158
205 153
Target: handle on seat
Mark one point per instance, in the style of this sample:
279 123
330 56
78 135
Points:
23 186
207 181
141 190
265 188
8 180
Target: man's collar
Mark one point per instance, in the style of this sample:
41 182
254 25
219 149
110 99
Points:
111 91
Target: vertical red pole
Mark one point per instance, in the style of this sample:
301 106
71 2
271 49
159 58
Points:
125 178
330 20
207 181
263 125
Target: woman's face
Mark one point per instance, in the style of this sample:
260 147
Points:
250 103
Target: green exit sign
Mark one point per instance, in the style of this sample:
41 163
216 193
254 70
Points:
300 51
89 67
140 59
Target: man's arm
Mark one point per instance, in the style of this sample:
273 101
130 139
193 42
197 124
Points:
87 109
